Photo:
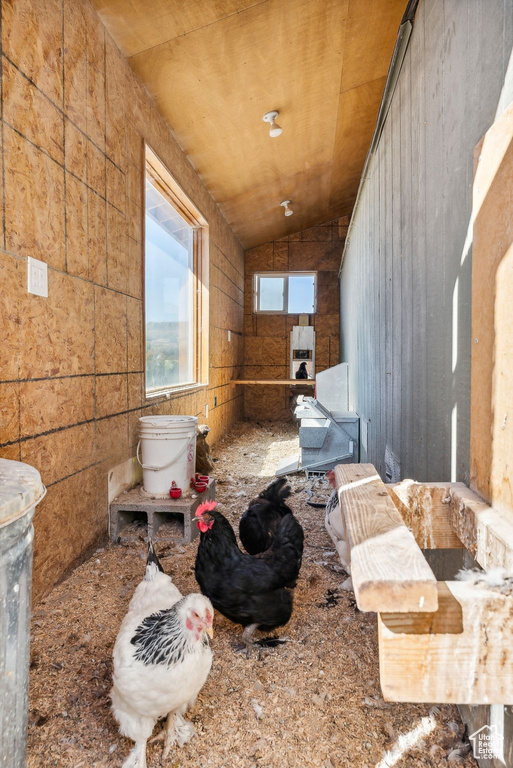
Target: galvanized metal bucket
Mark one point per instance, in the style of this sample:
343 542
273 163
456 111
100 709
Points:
20 490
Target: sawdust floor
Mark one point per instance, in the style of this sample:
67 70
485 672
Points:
312 702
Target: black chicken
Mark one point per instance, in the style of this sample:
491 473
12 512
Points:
248 590
260 521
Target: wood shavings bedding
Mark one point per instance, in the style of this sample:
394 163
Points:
314 701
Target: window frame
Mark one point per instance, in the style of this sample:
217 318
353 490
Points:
161 178
285 311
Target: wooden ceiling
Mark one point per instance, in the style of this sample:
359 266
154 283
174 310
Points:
215 67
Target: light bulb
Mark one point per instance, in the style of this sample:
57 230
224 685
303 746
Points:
285 204
275 130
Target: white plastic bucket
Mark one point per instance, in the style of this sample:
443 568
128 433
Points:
168 448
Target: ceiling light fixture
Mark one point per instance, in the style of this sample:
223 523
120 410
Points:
288 211
270 117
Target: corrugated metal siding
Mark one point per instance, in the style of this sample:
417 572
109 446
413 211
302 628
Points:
405 283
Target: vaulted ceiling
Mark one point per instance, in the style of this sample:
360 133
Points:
215 67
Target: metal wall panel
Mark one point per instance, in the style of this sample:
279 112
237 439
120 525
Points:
405 282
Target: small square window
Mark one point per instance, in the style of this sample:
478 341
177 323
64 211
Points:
292 293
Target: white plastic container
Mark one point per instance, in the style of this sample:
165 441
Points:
167 445
20 490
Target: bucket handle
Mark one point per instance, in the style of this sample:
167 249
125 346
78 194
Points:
157 469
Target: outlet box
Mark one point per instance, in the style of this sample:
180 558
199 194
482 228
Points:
229 335
37 277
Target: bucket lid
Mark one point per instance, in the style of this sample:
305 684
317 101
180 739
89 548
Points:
163 421
20 489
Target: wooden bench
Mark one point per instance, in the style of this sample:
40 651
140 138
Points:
456 646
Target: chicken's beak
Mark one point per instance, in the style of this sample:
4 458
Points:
210 632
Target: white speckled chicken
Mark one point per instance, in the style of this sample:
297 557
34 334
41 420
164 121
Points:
162 659
335 525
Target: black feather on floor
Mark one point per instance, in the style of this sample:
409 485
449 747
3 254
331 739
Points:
270 642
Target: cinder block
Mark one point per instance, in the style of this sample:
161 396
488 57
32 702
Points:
135 505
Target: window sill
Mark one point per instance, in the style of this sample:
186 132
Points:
281 312
179 391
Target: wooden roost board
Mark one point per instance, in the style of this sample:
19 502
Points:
461 650
423 507
389 571
460 654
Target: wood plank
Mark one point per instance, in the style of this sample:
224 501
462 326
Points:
277 382
487 533
452 516
448 656
425 509
491 444
388 569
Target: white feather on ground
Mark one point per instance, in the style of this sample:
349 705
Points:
162 659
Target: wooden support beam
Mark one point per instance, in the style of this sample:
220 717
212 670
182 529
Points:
388 569
425 509
462 653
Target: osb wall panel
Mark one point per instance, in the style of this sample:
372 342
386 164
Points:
267 337
71 366
491 427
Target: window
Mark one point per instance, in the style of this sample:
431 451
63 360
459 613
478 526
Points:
176 339
292 293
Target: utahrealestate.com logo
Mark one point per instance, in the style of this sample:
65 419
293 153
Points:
487 742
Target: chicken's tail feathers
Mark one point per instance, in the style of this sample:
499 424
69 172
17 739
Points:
153 564
277 491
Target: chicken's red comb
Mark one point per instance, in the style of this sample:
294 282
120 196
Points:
331 477
206 506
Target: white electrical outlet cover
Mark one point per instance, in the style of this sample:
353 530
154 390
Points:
37 277
229 335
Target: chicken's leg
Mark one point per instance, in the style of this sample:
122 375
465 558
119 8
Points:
184 730
137 757
176 731
247 638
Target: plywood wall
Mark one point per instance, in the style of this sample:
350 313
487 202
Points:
71 385
267 337
491 446
406 279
